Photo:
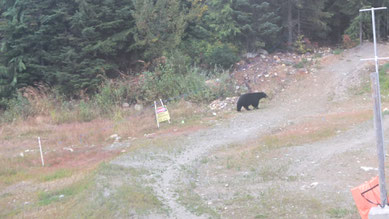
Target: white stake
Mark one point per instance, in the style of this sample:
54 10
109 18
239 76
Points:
40 148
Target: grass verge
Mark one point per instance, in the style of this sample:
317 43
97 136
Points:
46 198
57 174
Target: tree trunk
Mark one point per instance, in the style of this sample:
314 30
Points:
378 28
360 28
298 22
290 23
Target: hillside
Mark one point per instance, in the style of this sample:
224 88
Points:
298 156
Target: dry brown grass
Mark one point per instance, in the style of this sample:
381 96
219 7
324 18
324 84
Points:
39 98
67 134
86 138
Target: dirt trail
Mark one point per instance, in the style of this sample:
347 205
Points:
318 94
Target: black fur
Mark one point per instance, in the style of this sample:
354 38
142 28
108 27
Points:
248 99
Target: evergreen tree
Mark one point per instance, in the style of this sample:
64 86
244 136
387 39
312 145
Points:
100 45
221 20
25 41
161 24
74 45
305 17
314 19
259 25
64 44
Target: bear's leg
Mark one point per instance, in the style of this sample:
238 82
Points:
256 105
239 108
246 107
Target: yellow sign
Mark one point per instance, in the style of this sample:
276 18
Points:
162 114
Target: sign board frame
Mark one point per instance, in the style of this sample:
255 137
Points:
161 113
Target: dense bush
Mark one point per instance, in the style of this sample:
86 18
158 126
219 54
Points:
166 83
222 55
18 108
301 45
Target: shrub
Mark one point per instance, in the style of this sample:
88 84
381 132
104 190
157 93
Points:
304 62
173 80
195 88
17 108
105 98
225 87
62 116
179 61
354 28
85 111
302 45
167 84
113 93
337 51
222 55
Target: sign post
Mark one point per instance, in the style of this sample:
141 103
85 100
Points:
377 112
161 113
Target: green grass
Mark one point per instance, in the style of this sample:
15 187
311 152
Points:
384 79
11 170
112 170
46 198
337 51
194 203
278 202
204 160
136 197
303 63
59 174
364 88
338 212
317 55
190 199
35 132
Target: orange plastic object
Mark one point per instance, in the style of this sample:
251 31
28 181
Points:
367 196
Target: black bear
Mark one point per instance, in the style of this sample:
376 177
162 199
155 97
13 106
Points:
248 99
